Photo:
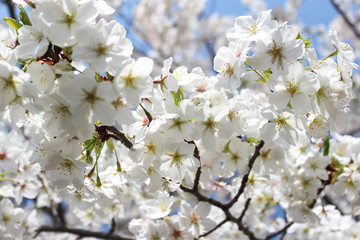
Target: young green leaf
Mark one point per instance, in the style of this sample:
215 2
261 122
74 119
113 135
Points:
226 148
148 115
24 18
110 144
13 23
178 96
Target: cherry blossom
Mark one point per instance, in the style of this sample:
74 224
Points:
154 143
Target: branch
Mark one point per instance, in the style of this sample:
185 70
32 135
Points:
225 207
216 227
112 228
246 176
203 198
319 191
346 18
283 230
198 172
11 7
80 232
311 205
247 203
60 214
107 132
211 52
55 211
328 200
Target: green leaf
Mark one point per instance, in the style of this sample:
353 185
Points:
24 18
178 96
226 148
4 173
98 147
264 75
252 141
88 158
334 53
267 74
31 4
307 42
110 77
148 115
68 52
289 105
89 144
339 169
13 23
98 77
110 144
326 148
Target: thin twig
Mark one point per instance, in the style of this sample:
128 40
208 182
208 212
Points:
225 209
112 228
80 232
284 232
311 205
60 214
319 191
11 7
328 200
198 172
284 229
197 178
246 176
247 204
203 198
216 227
346 18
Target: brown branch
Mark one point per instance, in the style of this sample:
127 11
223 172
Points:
311 205
283 230
346 18
107 132
328 200
197 178
210 49
246 176
112 228
247 204
198 172
81 233
215 228
203 198
319 191
60 214
11 7
224 208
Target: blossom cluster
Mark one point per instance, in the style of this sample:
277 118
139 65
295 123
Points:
175 153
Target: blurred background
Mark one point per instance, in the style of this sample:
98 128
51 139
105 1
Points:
192 31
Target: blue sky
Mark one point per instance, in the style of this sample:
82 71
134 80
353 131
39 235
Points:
311 12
